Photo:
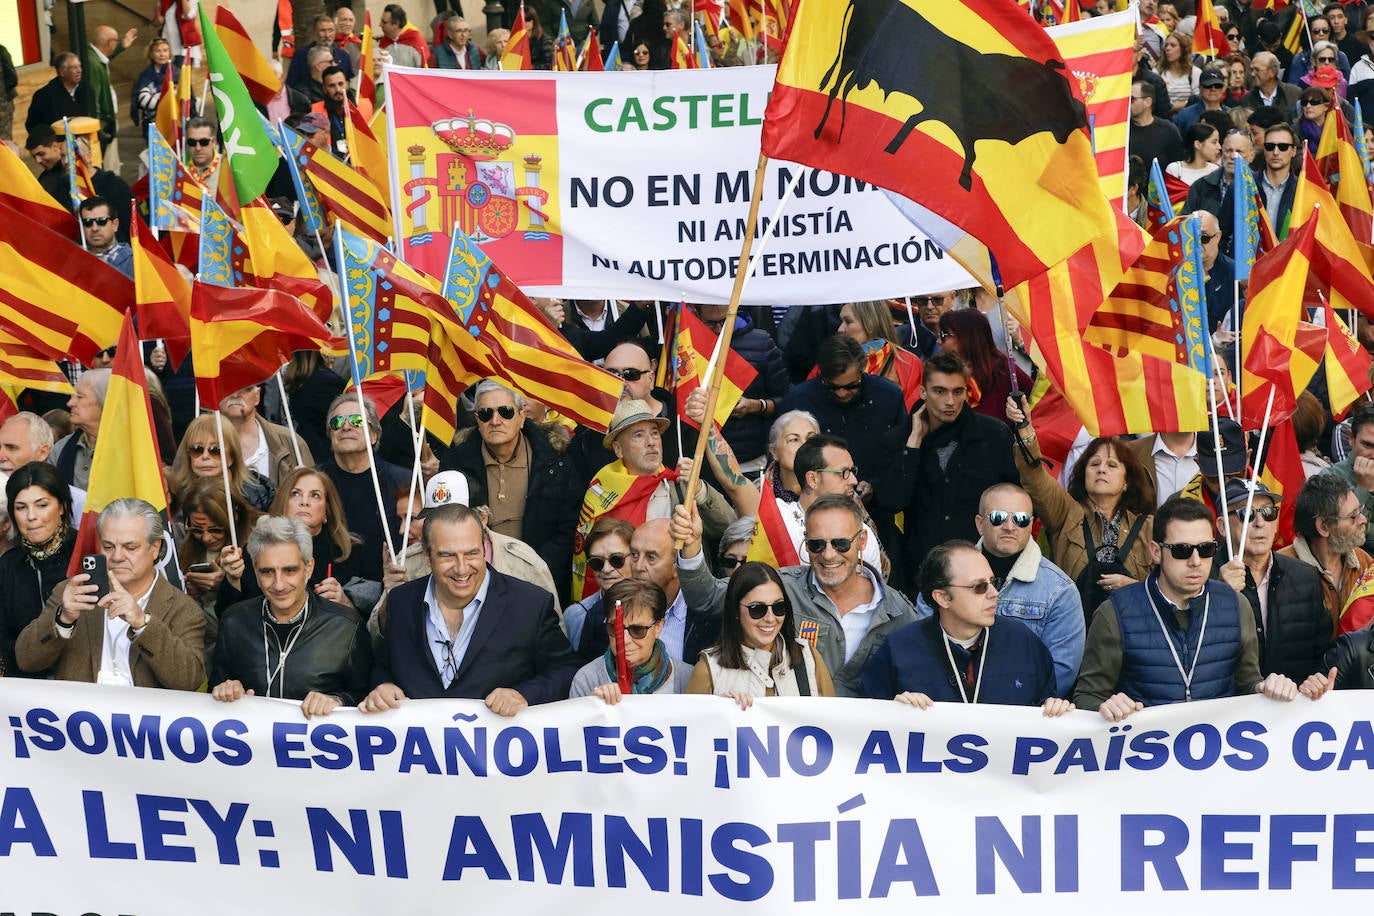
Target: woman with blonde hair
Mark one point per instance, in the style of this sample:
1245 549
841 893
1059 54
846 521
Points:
200 454
870 325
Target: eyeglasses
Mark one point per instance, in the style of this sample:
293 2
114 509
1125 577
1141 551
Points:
633 630
1245 514
847 386
843 472
1281 147
484 414
1307 103
1206 550
841 545
757 609
629 375
199 141
354 420
616 561
195 451
998 517
729 562
213 531
978 588
88 222
1207 239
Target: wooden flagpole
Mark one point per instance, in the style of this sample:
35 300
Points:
728 331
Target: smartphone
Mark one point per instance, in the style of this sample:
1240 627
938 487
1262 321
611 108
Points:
94 565
200 568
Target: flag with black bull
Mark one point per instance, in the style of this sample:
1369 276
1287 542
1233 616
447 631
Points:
961 105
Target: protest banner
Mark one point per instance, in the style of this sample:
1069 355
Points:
144 802
636 185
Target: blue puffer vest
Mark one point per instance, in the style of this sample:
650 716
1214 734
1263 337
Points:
1148 671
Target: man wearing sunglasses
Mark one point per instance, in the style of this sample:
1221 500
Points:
1031 589
521 471
843 608
1177 636
1330 526
1284 593
99 225
849 403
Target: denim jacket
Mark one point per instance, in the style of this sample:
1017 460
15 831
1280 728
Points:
1041 596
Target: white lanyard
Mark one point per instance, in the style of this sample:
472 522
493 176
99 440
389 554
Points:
279 673
1168 640
959 675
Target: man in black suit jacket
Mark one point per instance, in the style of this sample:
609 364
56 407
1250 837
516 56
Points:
467 631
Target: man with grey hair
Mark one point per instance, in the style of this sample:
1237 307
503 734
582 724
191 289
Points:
521 471
141 632
468 631
73 453
290 643
353 438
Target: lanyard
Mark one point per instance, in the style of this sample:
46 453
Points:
1169 641
958 677
279 673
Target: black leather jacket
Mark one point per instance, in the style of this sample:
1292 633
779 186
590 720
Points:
331 655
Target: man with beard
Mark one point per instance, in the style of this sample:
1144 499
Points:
1330 529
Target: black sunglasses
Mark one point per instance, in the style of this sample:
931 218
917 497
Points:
88 222
199 141
729 562
616 561
484 414
1281 147
1245 514
998 517
629 375
1206 550
841 545
757 609
636 630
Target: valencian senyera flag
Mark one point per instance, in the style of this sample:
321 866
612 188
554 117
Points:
956 104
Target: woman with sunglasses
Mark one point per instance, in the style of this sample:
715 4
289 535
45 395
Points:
643 607
200 454
200 551
40 509
607 549
953 656
758 653
1100 526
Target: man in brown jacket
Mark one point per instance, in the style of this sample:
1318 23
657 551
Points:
141 633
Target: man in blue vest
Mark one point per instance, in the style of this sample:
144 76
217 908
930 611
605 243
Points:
1178 636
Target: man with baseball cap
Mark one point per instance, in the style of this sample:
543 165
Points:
1284 593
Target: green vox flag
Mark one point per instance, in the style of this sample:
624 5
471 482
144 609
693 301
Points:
252 156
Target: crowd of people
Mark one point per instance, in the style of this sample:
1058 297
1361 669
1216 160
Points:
319 549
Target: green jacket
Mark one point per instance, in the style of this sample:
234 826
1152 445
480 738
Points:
96 73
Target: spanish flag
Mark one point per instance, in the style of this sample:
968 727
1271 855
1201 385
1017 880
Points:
517 56
21 192
694 343
955 105
161 294
55 297
242 336
126 461
617 493
772 543
259 78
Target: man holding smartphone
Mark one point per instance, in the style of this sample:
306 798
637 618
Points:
139 632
